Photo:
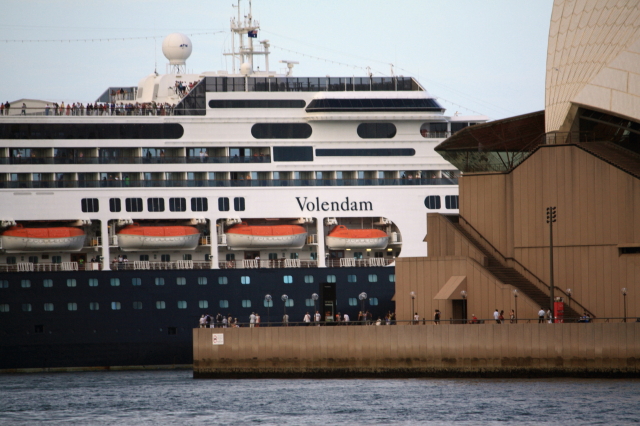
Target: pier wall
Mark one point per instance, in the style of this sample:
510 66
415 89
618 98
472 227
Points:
484 350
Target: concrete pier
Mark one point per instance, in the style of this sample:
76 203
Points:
484 350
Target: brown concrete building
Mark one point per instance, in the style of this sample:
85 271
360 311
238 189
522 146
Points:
581 155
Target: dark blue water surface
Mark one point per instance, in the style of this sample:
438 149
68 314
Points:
174 397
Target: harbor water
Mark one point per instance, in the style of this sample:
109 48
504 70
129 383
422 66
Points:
174 397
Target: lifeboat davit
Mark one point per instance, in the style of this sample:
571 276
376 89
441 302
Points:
136 237
18 238
244 236
342 237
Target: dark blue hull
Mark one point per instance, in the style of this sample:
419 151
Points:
61 330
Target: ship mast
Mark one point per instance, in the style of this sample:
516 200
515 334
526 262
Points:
241 27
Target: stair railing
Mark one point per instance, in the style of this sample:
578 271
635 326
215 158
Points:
523 270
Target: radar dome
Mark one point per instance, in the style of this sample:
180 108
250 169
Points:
177 48
245 69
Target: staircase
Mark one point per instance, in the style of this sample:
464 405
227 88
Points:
510 276
616 155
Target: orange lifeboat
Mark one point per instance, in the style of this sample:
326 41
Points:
64 238
342 237
136 237
244 236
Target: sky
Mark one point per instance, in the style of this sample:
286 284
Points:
476 57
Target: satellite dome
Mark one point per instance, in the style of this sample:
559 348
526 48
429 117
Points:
177 48
245 69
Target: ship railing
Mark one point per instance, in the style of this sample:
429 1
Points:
113 241
205 240
141 264
25 267
347 261
93 242
69 266
222 239
267 264
127 159
312 239
292 263
250 263
358 263
184 264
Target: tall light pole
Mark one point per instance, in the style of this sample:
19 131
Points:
551 218
515 295
569 291
268 299
363 296
624 302
413 297
463 293
284 299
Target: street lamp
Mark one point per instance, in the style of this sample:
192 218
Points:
463 293
315 296
515 314
569 293
551 219
624 298
268 299
363 296
413 297
284 299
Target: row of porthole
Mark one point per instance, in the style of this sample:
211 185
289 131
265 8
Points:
432 202
245 280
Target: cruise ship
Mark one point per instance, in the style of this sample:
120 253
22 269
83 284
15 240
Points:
224 192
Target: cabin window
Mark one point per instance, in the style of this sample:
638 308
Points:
373 301
26 307
238 204
308 279
245 280
451 202
309 302
353 301
294 255
224 303
94 306
288 303
137 305
159 281
378 254
33 259
288 279
376 130
223 280
203 304
136 281
93 282
56 259
48 307
246 303
392 278
47 283
331 278
160 304
71 282
178 204
230 257
4 284
273 256
268 303
165 258
352 278
432 202
155 204
90 205
25 283
72 306
115 282
144 257
115 205
133 204
373 278
223 204
357 255
182 304
4 307
181 281
313 255
199 205
202 280
281 131
11 260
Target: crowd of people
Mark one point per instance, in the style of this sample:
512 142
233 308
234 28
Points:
364 318
106 108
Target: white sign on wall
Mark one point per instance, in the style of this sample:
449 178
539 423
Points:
218 339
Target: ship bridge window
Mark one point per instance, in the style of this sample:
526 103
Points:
202 280
92 131
177 204
155 204
372 152
281 131
292 153
432 202
376 130
451 202
238 204
223 204
257 103
115 205
373 278
90 205
199 205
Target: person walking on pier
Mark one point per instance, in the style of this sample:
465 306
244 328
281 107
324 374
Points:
307 319
541 316
285 320
318 318
203 321
345 318
252 320
436 317
496 316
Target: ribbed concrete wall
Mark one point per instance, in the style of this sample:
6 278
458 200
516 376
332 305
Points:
487 350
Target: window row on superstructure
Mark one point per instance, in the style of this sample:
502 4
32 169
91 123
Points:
229 179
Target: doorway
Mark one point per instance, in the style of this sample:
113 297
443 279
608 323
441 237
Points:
459 311
328 301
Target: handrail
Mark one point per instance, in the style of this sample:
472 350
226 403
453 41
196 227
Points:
505 263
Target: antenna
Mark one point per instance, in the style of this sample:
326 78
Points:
290 65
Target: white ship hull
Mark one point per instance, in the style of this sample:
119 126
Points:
335 243
18 244
242 241
140 242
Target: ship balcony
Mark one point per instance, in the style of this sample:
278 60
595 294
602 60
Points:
267 264
350 262
136 160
